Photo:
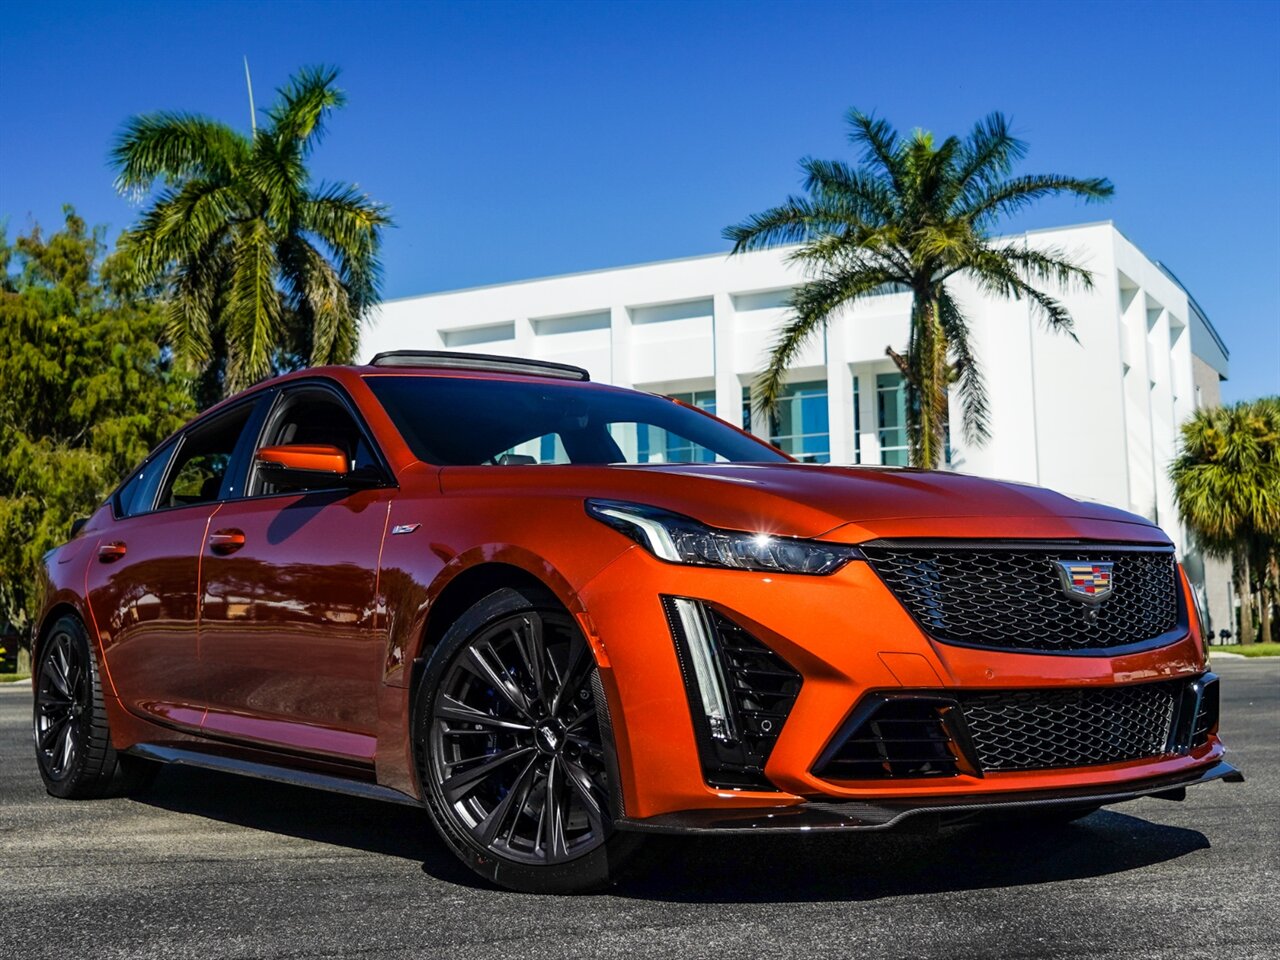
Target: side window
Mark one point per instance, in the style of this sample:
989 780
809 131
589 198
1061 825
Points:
138 493
314 415
204 453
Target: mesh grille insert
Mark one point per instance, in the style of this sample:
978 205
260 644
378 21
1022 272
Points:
1013 598
945 733
1042 729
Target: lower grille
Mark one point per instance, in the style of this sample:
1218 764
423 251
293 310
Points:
944 734
1042 729
902 738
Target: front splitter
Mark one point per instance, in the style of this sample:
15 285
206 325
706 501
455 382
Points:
887 814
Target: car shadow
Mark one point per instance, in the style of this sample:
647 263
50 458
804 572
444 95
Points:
737 869
374 826
873 866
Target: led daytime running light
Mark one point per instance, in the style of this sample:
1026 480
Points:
679 539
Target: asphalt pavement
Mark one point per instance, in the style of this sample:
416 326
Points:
213 866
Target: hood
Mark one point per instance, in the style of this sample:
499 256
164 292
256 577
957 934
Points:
849 504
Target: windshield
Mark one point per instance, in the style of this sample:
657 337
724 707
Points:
453 421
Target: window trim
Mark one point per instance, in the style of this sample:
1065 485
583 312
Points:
255 401
166 449
282 393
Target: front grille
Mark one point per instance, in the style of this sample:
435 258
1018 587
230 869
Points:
932 734
1042 729
1010 596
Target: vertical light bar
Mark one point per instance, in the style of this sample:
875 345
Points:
707 669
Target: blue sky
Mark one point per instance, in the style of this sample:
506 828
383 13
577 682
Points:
520 139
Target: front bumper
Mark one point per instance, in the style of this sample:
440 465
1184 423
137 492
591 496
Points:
888 814
847 636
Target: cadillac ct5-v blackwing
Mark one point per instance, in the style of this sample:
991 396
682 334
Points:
561 615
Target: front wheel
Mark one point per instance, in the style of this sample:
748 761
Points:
512 737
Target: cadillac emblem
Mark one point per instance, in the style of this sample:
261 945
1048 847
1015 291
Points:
1084 580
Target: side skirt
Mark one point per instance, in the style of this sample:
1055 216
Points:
266 771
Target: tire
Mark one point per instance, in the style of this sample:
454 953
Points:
74 753
514 748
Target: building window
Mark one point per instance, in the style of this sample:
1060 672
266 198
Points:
702 399
655 445
891 412
801 427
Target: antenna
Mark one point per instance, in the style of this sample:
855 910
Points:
253 114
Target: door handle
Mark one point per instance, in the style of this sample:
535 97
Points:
110 552
226 541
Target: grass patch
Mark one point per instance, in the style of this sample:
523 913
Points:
1249 649
14 677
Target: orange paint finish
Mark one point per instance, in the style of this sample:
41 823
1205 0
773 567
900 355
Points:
319 457
297 623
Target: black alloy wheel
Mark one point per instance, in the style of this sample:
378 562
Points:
513 750
63 699
72 736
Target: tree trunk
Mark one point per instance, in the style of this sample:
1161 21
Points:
929 406
1245 594
1265 597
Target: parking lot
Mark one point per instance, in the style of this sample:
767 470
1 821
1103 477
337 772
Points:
212 866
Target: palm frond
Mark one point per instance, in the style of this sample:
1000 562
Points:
794 220
1009 196
318 294
298 116
170 147
811 307
1048 266
880 143
277 173
189 313
351 225
253 315
989 154
182 222
975 408
996 275
860 196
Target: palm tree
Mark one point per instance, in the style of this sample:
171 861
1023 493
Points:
910 217
1226 481
262 269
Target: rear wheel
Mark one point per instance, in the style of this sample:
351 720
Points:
72 737
513 744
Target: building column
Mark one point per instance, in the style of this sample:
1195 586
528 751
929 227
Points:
619 347
839 392
728 388
868 413
524 338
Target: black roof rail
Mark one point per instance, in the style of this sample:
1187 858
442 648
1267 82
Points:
450 359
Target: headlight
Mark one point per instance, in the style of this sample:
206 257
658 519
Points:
680 539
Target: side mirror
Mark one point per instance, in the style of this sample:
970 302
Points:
304 465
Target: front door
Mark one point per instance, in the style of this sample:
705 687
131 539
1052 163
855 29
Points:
287 643
143 583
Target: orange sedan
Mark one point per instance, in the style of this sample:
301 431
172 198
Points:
561 616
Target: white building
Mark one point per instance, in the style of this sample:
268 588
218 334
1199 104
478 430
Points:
1094 417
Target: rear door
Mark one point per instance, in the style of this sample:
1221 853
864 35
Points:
288 648
142 585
